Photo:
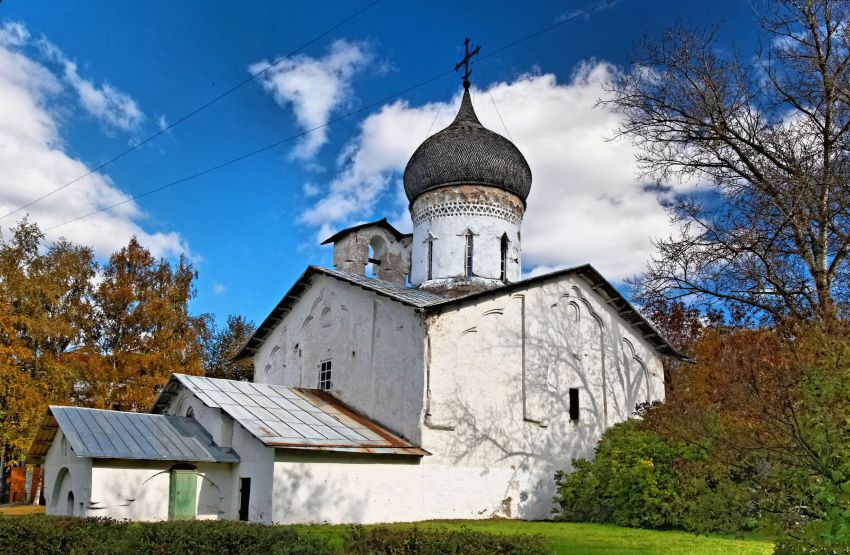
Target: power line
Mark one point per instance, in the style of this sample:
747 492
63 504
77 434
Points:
329 122
255 152
201 108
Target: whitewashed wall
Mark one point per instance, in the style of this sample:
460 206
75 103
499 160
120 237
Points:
65 472
347 488
257 463
498 374
139 490
445 215
376 345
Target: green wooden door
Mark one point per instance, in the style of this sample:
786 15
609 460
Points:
182 494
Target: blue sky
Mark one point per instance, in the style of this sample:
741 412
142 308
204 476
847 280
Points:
83 80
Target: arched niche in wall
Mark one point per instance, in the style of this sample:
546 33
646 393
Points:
377 250
638 374
62 483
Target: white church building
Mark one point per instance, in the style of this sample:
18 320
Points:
421 378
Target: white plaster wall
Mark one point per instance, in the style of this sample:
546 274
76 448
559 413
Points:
257 463
498 375
357 488
376 345
64 472
139 490
449 256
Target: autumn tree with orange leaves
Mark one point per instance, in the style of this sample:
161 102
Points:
73 332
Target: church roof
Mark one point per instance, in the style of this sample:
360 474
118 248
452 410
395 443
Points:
290 417
600 285
110 434
424 300
405 295
467 153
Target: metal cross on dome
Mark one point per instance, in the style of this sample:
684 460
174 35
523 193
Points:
464 63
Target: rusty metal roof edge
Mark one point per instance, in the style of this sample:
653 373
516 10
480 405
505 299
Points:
316 397
394 440
365 449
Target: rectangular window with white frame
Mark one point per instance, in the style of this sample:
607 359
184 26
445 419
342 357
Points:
325 382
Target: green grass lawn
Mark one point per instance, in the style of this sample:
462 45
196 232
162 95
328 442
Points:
578 539
564 537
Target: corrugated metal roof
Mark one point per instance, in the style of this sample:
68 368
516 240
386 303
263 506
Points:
291 417
108 434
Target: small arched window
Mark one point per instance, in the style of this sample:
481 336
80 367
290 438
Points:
504 257
376 253
430 257
468 252
190 412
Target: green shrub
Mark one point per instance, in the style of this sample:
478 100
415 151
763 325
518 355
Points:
641 480
820 521
44 535
439 541
50 535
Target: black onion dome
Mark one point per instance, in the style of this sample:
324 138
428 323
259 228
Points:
466 152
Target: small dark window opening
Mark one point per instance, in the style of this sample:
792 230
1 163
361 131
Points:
504 254
574 403
469 254
430 258
325 382
244 497
190 412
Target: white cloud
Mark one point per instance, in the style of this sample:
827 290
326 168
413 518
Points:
218 289
33 163
585 204
114 108
314 88
311 189
13 33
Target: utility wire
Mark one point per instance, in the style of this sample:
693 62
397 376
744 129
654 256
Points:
258 151
331 121
498 113
194 112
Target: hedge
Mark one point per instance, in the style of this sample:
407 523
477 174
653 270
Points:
50 535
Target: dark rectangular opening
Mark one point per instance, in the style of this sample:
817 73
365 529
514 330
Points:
244 497
573 403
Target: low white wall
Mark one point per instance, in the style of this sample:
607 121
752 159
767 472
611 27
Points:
340 488
139 490
257 463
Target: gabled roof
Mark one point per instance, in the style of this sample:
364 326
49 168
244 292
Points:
109 434
382 223
424 300
600 285
291 418
405 295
